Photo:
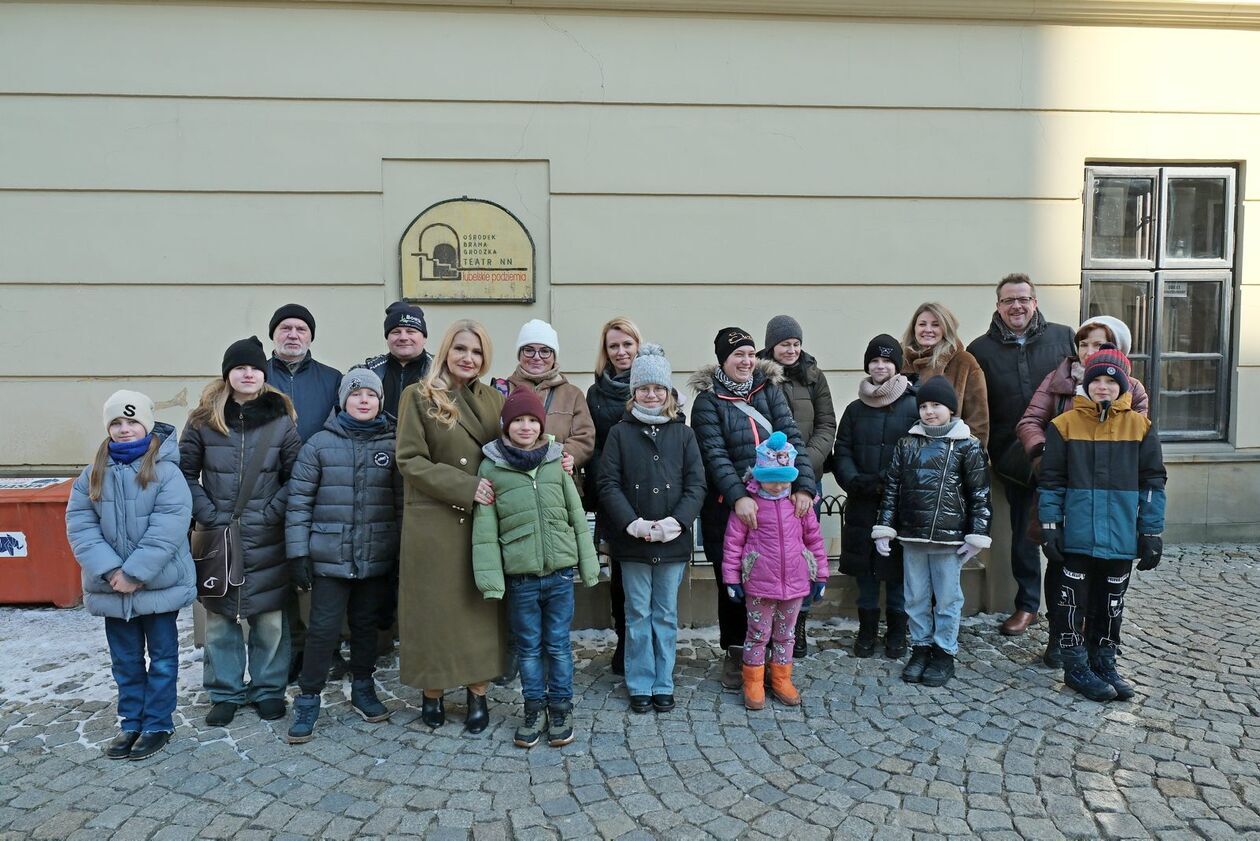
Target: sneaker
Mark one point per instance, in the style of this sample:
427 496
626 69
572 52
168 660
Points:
305 712
560 724
221 714
1078 675
270 709
940 669
149 744
364 701
531 729
919 657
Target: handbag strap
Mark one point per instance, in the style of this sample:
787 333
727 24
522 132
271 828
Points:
249 480
751 410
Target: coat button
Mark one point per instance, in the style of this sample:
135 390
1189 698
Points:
656 458
656 490
461 519
463 461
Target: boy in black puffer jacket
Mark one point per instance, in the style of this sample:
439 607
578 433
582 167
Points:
869 431
341 533
936 501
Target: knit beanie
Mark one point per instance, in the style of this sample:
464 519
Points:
781 328
776 458
650 367
245 352
883 346
1124 338
404 314
1107 361
938 390
523 401
537 332
291 311
728 340
355 379
131 405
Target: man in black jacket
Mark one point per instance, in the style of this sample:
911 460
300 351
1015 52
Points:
407 361
1016 353
311 385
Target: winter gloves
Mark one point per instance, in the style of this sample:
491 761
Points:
300 570
968 551
883 545
640 528
817 590
1150 551
661 531
1052 542
735 592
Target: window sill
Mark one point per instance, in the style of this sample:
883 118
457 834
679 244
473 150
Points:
1191 452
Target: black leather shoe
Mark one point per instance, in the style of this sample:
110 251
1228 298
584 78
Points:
640 703
121 746
221 714
271 709
663 703
433 712
148 744
478 713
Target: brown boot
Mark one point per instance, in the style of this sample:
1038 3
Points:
781 685
754 689
731 678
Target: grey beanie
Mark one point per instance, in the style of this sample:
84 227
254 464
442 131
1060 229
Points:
781 328
650 367
355 379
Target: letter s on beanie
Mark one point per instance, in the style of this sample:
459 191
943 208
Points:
131 405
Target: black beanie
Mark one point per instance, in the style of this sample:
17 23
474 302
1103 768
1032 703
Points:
245 352
938 390
291 311
883 346
404 314
728 340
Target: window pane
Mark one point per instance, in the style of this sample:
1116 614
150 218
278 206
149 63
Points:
1188 395
1128 301
1196 218
1122 218
1191 317
1139 370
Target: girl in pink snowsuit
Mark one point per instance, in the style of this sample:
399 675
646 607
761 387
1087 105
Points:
770 568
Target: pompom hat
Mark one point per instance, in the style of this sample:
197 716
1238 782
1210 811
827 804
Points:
1107 361
650 367
131 405
776 459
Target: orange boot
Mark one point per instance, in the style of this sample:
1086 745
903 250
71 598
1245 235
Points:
781 685
754 688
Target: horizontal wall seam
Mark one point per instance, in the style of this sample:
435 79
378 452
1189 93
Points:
202 191
176 191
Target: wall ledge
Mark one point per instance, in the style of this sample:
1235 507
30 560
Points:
1213 453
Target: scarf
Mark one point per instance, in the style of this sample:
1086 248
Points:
617 386
547 379
738 389
885 394
1078 376
352 424
939 431
764 494
125 452
649 416
523 460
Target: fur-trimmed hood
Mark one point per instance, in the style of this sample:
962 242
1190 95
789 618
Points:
766 371
260 411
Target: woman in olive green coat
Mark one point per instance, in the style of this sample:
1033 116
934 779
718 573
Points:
449 635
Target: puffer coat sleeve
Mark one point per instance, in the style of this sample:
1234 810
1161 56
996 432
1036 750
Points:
975 481
83 528
1031 428
887 518
303 486
192 452
706 421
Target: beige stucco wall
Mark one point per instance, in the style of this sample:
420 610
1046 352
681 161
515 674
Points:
170 173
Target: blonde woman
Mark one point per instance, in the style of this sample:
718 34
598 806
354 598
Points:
932 347
449 635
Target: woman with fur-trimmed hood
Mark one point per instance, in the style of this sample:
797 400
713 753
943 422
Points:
739 403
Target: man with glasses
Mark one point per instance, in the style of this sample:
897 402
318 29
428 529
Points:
1016 353
407 361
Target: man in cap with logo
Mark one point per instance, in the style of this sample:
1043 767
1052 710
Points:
407 361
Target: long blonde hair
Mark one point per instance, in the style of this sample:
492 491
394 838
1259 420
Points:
621 323
436 386
148 468
949 344
213 404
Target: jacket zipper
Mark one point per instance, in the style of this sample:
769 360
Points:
782 551
240 482
940 491
542 531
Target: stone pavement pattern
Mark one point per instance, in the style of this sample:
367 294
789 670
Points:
1003 752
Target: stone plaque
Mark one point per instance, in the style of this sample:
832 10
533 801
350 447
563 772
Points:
467 250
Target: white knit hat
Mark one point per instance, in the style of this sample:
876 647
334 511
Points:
1124 338
537 332
131 405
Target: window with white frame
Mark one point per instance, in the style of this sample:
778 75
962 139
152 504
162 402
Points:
1159 255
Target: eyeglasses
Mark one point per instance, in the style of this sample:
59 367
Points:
540 352
1007 302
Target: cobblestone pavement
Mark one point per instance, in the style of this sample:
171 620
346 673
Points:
1003 752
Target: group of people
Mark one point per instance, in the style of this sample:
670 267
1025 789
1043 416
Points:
414 492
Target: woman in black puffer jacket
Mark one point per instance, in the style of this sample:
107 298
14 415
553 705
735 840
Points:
728 436
236 415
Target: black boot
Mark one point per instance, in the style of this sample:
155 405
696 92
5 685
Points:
1053 658
895 636
800 646
619 658
919 659
1102 662
433 711
1078 675
478 713
868 632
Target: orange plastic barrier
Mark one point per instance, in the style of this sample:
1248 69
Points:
36 564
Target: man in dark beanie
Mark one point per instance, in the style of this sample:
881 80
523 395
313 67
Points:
311 385
407 361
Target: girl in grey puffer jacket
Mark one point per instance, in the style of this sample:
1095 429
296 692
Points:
127 521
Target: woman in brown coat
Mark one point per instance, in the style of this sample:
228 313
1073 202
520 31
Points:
449 635
932 347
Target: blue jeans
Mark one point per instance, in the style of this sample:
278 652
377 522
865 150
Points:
146 697
651 625
933 570
868 594
540 613
224 660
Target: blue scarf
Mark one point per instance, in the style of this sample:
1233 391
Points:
351 424
125 452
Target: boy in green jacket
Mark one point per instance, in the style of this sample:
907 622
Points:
529 541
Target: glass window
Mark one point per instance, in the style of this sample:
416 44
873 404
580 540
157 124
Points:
1122 220
1187 397
1192 316
1196 218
